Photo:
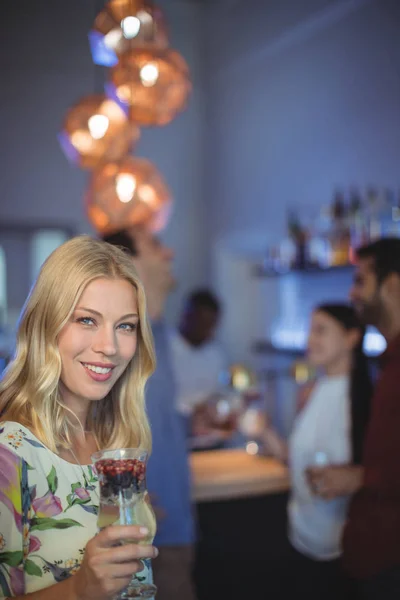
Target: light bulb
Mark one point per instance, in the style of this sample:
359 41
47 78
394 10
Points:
112 38
252 448
124 93
125 185
130 27
82 141
241 380
144 17
98 125
149 74
148 195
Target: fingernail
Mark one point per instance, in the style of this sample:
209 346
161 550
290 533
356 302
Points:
144 530
156 552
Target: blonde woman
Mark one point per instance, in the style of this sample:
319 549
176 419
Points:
76 384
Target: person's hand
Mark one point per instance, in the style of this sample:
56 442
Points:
335 480
201 420
107 566
274 444
253 423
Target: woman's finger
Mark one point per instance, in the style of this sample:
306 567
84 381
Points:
127 553
128 569
120 533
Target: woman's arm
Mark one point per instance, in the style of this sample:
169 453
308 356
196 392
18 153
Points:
106 568
275 444
272 440
335 480
109 562
64 590
13 522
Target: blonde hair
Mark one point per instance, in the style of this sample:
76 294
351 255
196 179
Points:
29 391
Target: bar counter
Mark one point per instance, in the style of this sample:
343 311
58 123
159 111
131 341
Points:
230 474
241 503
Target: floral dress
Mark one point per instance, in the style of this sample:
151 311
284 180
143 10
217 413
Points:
48 513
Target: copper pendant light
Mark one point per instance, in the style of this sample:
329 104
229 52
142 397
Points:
123 25
127 193
153 85
96 129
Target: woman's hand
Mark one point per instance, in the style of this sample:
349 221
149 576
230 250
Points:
107 566
334 481
274 444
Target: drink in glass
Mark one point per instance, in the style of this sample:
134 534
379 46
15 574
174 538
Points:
124 501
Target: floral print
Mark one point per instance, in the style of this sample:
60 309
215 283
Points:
81 495
10 485
47 506
48 512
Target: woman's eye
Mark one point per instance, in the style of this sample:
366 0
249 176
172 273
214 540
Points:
128 326
86 320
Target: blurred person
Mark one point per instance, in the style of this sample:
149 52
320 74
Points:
197 357
329 429
372 535
168 475
83 354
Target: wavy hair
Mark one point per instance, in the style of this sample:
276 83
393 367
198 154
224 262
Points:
29 390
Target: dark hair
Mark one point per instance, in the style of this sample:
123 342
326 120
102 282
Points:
203 298
385 254
122 239
361 387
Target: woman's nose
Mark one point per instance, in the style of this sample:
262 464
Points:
105 342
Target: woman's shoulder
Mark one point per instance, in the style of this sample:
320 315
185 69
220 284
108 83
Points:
20 441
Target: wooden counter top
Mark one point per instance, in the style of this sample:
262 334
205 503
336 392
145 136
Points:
230 474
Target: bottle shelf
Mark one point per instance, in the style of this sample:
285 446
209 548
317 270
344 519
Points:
266 347
260 271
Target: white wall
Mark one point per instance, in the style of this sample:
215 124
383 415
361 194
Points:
303 96
290 99
46 68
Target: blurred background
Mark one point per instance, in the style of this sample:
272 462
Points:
294 109
281 157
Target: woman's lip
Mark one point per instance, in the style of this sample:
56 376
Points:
101 365
99 377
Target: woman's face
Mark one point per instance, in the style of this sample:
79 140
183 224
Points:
99 341
329 342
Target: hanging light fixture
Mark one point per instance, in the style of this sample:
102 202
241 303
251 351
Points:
153 85
96 129
123 25
127 193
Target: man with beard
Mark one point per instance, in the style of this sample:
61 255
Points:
371 543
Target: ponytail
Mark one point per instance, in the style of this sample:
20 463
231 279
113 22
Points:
361 387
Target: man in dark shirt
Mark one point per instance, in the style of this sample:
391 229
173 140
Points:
371 543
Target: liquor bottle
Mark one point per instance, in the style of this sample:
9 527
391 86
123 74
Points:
299 236
319 249
373 208
358 224
340 233
388 225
